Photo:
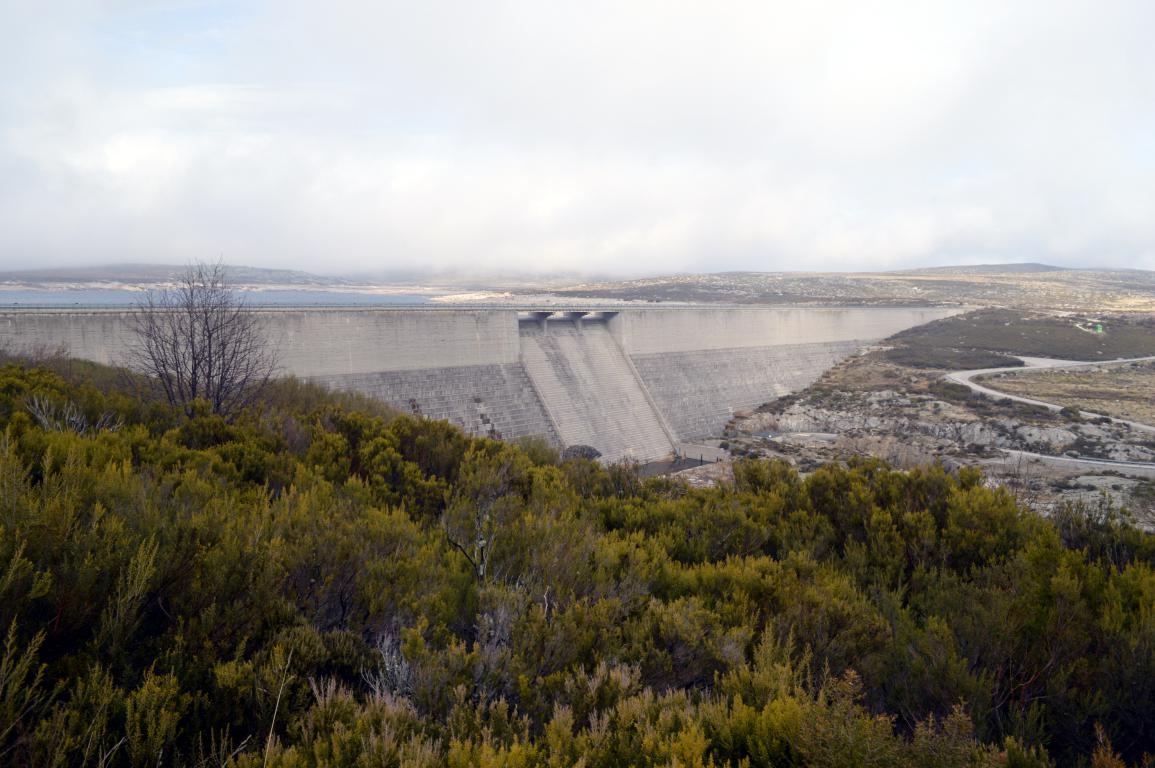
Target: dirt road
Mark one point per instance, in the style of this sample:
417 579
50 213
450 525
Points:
965 378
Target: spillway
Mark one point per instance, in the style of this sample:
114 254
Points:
628 382
591 391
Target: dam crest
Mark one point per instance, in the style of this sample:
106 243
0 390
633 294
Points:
633 383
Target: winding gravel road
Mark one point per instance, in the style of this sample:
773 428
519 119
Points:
1125 467
965 378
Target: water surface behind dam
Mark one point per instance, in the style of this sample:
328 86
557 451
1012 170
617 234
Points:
125 298
630 382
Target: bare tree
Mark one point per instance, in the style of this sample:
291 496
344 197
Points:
201 341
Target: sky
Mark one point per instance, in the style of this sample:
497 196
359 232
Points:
620 137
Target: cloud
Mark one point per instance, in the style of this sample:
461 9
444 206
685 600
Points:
602 136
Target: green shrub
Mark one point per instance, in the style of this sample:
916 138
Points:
312 584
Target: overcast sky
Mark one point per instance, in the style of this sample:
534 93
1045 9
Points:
628 136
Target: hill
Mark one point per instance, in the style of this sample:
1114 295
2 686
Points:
1031 287
985 269
1018 286
314 584
149 274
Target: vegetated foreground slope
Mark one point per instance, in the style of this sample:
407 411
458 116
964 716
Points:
315 585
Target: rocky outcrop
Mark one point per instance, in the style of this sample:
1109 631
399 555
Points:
940 425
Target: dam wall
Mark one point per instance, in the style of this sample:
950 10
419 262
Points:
320 343
654 331
310 342
700 365
101 336
488 400
591 390
628 382
700 391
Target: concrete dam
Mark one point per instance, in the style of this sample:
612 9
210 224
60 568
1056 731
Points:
632 383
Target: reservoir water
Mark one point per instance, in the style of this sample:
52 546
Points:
118 297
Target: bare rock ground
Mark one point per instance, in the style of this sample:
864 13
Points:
872 406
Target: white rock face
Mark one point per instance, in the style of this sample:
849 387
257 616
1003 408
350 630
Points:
1054 438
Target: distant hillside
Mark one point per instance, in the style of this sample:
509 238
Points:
258 277
158 273
1031 286
984 269
1022 286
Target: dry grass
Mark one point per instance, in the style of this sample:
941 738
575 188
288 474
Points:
1124 391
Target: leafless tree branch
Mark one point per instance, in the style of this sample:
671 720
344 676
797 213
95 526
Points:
200 341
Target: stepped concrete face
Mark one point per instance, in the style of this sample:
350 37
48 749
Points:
628 382
492 400
699 391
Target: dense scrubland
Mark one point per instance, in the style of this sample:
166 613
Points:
316 583
988 338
